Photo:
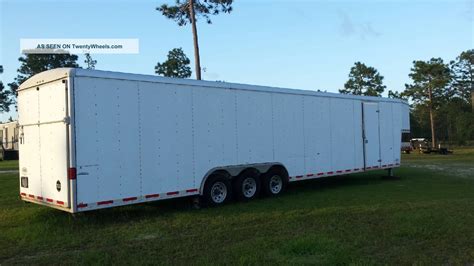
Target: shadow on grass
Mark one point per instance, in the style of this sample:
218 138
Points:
168 208
334 182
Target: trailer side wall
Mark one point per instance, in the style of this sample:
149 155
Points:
140 140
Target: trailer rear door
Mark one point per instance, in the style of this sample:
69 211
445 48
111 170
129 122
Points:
43 145
371 135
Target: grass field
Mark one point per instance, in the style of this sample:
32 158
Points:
424 217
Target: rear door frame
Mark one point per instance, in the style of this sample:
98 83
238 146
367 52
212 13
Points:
70 143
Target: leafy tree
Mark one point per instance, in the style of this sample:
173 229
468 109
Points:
187 11
5 96
455 121
177 65
364 80
89 61
32 64
5 99
462 70
429 87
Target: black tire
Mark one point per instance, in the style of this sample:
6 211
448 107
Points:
274 182
247 185
217 190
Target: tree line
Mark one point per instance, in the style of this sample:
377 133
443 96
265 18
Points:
439 95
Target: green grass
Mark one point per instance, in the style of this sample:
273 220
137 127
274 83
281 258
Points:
8 165
425 217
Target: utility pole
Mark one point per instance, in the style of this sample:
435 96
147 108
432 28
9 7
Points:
196 43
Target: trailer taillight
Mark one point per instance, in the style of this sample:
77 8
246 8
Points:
71 173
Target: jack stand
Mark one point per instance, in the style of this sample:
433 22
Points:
390 174
197 203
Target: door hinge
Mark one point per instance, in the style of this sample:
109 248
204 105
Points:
67 120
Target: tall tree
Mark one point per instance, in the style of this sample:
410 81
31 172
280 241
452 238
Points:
32 64
5 96
462 70
89 61
187 11
396 95
177 65
429 87
364 80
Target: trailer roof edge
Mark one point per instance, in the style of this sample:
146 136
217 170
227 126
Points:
59 73
47 76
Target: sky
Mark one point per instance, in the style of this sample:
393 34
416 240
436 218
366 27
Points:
299 44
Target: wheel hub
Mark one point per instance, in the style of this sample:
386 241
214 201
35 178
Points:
276 184
249 187
219 192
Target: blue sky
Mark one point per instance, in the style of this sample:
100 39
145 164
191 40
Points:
295 44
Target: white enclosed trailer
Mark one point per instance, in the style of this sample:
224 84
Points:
93 139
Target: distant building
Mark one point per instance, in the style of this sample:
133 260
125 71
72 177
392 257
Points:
9 140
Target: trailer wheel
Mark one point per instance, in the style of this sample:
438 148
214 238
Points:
217 190
247 185
274 182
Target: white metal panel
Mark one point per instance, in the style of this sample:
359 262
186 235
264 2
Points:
398 112
372 137
28 109
118 138
107 139
288 132
342 134
386 133
54 164
29 155
215 129
128 139
254 127
54 141
152 126
52 99
358 138
310 130
166 145
87 155
29 145
317 133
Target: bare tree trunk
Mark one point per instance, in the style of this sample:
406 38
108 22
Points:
196 43
433 137
472 86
